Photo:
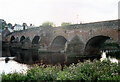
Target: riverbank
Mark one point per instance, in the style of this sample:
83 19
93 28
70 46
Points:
95 70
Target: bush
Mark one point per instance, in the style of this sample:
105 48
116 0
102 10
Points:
14 77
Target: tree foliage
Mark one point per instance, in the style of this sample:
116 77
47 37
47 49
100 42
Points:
3 25
48 23
9 25
65 23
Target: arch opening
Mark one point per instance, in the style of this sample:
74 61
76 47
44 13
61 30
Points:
36 40
22 38
58 44
12 39
94 45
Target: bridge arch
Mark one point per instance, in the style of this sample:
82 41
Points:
58 43
36 40
22 38
94 44
12 38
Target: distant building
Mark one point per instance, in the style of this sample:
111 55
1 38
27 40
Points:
18 27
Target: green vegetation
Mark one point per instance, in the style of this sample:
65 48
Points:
3 25
65 23
110 44
88 70
9 25
47 23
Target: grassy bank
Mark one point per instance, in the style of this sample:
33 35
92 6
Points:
88 70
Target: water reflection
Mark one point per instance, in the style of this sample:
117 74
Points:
34 57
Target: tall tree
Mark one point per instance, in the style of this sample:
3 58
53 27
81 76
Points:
2 23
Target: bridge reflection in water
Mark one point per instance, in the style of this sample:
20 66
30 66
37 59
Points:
31 57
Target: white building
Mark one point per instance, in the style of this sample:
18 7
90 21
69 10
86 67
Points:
18 27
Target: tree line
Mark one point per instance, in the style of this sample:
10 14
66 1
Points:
47 23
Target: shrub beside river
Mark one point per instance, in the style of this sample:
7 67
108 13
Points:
95 70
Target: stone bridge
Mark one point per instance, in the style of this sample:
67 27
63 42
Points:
78 38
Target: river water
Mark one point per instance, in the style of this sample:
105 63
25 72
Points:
21 60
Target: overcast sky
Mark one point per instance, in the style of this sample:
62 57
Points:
57 11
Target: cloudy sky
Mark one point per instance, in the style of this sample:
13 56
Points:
57 11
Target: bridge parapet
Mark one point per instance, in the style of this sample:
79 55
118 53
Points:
102 24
